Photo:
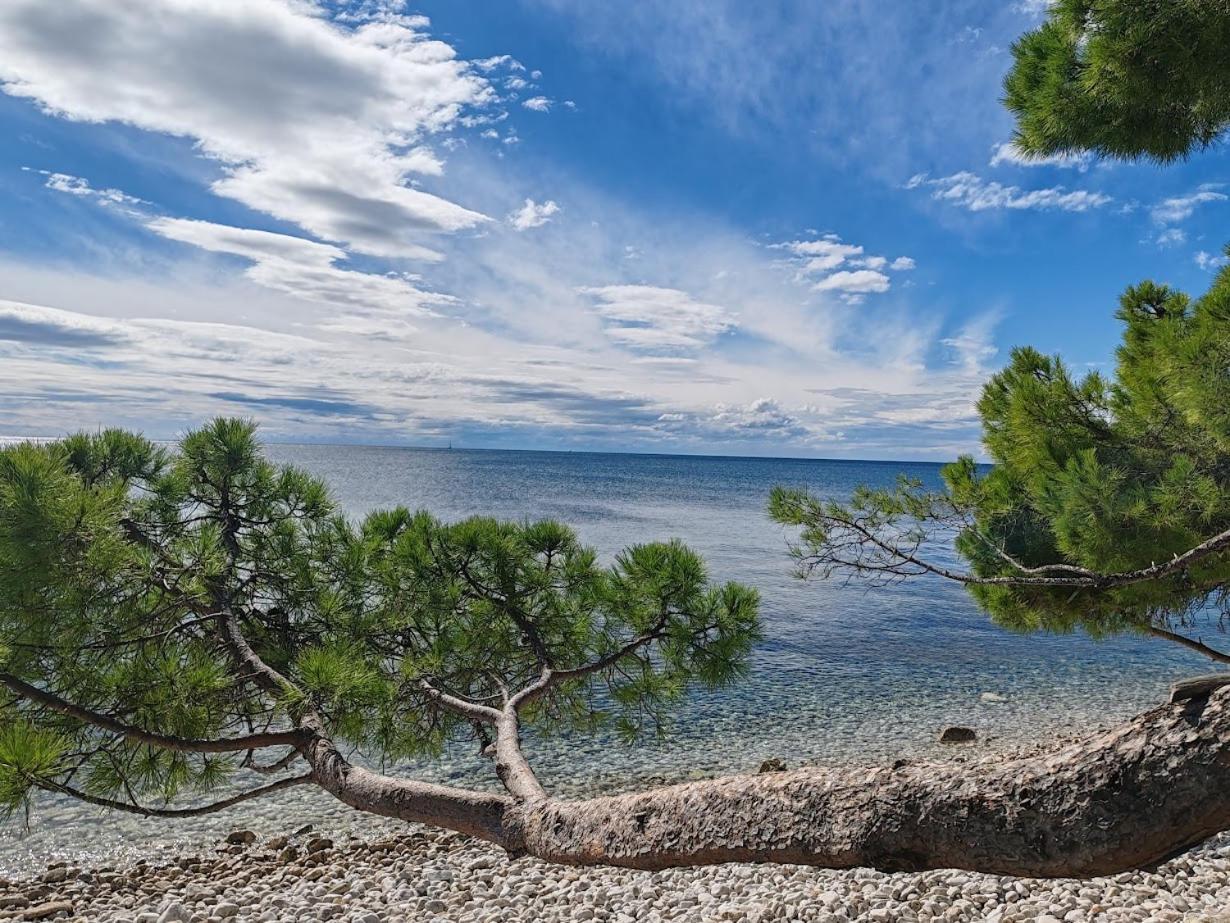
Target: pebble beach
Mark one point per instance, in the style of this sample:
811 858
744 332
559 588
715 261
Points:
425 875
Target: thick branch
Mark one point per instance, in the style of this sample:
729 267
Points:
511 766
162 741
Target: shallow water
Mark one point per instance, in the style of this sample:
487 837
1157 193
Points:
845 673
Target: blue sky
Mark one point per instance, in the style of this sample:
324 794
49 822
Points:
788 228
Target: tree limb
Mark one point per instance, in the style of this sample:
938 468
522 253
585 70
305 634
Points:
460 706
1177 564
1187 642
293 738
212 808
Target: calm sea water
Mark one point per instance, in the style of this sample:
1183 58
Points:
846 674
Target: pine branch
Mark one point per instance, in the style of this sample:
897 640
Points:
31 693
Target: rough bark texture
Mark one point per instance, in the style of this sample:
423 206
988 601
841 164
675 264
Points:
1124 799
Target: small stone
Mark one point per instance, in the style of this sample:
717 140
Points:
49 909
773 764
175 912
226 910
993 697
958 735
303 831
241 838
277 842
319 844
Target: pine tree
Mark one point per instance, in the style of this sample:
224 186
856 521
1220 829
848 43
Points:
1123 78
1108 503
166 616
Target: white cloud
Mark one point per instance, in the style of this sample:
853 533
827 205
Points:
1209 261
820 257
314 123
759 419
305 269
76 185
537 104
826 253
1009 153
1171 237
1034 7
968 190
533 214
1180 208
646 317
856 282
327 124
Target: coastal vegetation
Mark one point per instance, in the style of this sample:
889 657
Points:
174 623
1107 506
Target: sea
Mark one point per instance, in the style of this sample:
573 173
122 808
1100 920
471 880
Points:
848 673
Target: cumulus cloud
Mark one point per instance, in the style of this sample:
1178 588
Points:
757 419
826 253
815 261
1180 208
856 282
645 317
318 123
533 214
537 104
970 191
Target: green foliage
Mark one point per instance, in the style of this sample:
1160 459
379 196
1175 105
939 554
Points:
1090 476
1123 78
117 556
28 755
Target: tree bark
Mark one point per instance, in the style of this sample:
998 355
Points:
1119 800
1123 799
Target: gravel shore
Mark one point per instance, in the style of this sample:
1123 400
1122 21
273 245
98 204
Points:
427 875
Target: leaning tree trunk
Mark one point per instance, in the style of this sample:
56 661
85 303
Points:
1120 800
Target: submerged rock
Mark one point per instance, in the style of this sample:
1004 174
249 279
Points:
958 735
773 764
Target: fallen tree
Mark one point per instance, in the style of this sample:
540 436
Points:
174 622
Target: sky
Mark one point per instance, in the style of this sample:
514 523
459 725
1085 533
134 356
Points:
776 228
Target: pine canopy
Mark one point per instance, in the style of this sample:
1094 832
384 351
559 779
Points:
1123 78
134 580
